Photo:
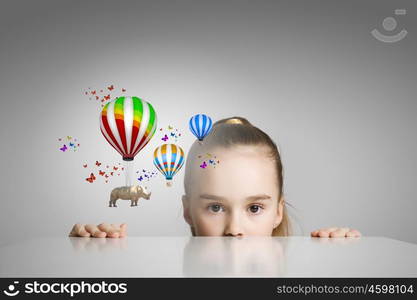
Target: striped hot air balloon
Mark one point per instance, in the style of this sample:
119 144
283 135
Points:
200 126
168 159
128 124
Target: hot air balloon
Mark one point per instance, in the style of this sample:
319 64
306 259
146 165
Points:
128 124
200 126
168 159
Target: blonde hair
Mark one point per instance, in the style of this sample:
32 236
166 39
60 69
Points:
239 131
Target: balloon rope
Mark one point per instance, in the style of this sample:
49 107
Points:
128 170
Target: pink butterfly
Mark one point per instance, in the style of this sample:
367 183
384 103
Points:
64 148
204 165
165 138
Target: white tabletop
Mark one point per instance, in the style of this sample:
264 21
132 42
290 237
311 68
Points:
209 257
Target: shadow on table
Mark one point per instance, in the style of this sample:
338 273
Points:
234 257
98 244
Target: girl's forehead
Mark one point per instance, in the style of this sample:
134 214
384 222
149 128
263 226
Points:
240 171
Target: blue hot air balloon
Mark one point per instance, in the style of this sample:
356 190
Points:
200 126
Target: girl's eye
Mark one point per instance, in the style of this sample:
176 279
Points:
255 209
215 208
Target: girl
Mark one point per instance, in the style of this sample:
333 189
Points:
240 193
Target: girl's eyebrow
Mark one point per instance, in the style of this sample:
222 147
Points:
250 198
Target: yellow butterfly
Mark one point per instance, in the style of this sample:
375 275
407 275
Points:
170 127
69 137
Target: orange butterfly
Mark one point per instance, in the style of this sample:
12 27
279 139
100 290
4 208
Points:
110 87
107 97
100 172
98 164
91 178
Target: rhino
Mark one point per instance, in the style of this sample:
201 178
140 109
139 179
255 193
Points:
132 193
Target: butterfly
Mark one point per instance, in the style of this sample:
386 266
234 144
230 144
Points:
165 138
115 168
172 134
64 148
118 174
59 139
107 181
69 137
107 176
179 134
110 87
123 90
111 173
71 144
91 178
170 127
93 92
123 169
204 165
86 93
107 97
160 129
140 178
85 166
98 164
101 172
143 170
211 161
97 97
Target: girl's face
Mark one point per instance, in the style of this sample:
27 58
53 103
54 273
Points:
239 197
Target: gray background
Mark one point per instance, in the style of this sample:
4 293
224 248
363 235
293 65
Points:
340 104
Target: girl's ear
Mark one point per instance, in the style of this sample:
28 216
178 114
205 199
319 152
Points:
186 210
280 212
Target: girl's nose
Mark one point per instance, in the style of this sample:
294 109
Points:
233 228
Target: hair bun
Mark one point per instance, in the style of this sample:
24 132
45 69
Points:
234 120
